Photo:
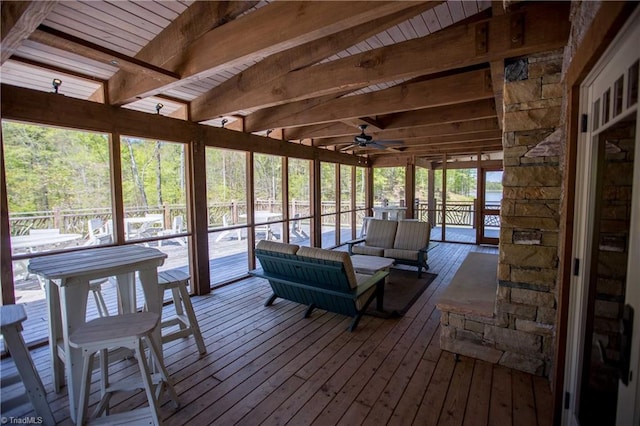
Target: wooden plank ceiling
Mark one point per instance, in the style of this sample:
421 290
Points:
426 76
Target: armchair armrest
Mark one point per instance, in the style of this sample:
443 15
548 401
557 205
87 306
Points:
373 280
351 243
430 246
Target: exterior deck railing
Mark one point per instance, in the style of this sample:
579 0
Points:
229 214
457 214
219 214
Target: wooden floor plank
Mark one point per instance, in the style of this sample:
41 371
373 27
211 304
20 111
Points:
246 375
331 386
276 373
410 401
456 401
544 403
501 404
431 406
324 366
366 371
271 366
395 385
477 411
523 398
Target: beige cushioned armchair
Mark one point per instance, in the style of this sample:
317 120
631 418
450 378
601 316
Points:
405 241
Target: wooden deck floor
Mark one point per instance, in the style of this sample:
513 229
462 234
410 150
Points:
268 365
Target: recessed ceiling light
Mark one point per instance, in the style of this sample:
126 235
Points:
114 62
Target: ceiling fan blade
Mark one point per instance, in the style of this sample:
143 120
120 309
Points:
390 142
376 145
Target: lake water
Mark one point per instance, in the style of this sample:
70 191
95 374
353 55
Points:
493 196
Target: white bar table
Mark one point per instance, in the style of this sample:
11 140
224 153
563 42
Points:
39 240
67 277
390 213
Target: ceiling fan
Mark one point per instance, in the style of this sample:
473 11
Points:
364 141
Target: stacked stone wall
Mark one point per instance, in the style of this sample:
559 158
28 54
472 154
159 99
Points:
532 181
521 332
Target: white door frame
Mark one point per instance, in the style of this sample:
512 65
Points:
622 52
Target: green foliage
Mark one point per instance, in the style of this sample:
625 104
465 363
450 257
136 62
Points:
328 181
360 185
345 186
267 177
462 182
49 168
299 180
226 175
494 186
388 183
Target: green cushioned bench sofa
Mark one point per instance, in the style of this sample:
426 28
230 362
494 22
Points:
317 278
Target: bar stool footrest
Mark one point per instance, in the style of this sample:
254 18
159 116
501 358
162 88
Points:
133 383
140 416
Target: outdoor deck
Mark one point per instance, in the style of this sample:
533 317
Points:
268 365
228 260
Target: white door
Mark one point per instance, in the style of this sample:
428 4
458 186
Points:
601 382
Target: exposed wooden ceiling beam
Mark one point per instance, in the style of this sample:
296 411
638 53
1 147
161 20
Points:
17 21
325 130
443 141
497 7
456 163
497 81
432 161
268 30
283 112
459 149
221 99
475 110
355 123
469 149
457 128
463 87
431 155
54 38
198 19
454 47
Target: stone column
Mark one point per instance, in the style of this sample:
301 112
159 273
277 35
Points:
532 179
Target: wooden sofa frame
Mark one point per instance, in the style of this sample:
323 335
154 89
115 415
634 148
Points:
316 283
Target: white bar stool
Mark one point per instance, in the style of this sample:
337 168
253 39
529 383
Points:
177 281
11 318
131 331
96 289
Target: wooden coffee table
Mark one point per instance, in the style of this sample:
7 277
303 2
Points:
370 265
